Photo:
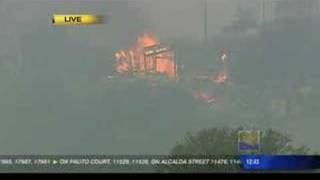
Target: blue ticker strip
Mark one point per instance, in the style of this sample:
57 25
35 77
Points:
280 162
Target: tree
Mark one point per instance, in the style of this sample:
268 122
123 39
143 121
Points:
224 142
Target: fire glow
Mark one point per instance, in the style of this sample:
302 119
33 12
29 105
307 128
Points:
222 77
147 56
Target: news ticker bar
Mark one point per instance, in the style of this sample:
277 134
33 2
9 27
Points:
77 19
110 163
113 163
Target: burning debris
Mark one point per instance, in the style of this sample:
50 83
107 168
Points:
147 56
222 77
204 97
219 78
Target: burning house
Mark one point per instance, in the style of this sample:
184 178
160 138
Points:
150 57
147 56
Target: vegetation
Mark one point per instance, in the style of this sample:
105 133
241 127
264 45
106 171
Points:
223 143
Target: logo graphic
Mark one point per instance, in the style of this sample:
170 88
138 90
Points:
249 141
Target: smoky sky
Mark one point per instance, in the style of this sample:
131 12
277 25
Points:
45 69
166 18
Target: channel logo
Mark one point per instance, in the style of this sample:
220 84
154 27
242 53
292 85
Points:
249 141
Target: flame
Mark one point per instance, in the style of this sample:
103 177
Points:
122 65
146 40
220 78
135 60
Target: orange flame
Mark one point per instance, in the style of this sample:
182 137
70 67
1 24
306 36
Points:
135 59
146 40
220 78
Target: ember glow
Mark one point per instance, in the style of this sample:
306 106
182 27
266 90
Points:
147 56
204 97
220 78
